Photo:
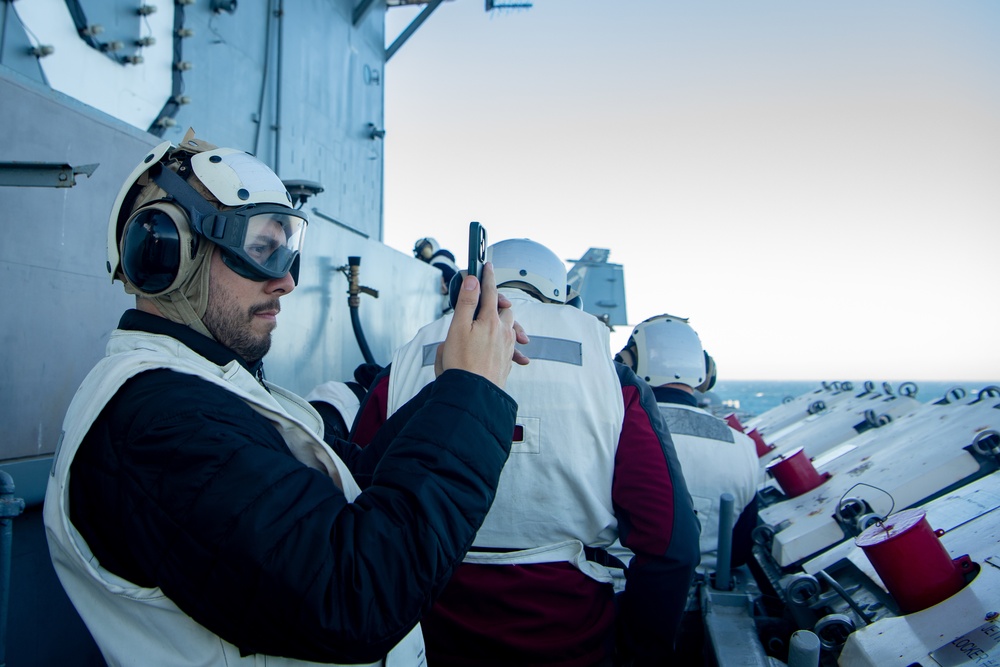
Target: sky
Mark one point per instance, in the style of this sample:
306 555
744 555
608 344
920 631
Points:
815 185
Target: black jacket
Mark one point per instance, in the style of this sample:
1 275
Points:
181 485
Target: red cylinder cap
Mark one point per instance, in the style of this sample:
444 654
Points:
781 458
892 527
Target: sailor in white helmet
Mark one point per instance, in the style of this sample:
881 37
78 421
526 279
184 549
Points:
666 352
591 462
428 250
195 515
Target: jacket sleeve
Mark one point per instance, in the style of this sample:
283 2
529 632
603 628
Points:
209 505
657 522
363 458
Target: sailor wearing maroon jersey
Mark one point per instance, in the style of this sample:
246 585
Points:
591 462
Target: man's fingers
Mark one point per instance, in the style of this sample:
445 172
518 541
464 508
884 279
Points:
465 306
521 337
488 298
520 334
484 345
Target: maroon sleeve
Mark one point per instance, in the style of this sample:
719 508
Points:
656 521
372 413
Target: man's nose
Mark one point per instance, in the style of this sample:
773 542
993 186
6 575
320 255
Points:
283 285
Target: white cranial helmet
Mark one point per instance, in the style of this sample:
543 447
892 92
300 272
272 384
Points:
425 248
526 264
668 350
152 246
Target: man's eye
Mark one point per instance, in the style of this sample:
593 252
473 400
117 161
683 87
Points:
262 250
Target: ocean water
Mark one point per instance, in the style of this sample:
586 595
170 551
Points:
754 397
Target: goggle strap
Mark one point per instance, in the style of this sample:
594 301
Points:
184 194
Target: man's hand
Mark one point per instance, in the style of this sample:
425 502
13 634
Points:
503 304
484 345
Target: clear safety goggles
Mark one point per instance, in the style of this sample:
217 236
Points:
258 241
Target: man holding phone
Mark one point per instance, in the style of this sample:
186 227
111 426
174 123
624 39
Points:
195 513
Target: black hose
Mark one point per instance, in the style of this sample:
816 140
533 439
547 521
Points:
360 335
353 302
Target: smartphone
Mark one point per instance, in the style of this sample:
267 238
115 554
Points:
477 257
477 249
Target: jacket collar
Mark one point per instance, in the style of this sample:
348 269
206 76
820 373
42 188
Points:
671 395
217 353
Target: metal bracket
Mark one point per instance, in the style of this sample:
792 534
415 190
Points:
495 4
42 174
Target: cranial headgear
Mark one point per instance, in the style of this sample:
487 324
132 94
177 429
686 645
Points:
166 220
525 263
425 248
668 350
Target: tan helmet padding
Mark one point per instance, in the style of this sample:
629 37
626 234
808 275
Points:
188 303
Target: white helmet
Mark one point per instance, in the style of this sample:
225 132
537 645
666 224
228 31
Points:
526 264
668 350
425 248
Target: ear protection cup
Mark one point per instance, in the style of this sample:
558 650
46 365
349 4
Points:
711 374
630 348
157 248
574 299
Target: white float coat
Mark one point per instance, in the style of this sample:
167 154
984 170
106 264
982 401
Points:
554 494
716 459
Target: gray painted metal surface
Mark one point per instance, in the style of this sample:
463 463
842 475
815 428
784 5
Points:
61 306
730 631
804 649
601 285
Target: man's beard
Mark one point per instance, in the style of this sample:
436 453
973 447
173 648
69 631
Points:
232 328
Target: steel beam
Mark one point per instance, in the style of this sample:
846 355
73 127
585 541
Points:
361 10
412 28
